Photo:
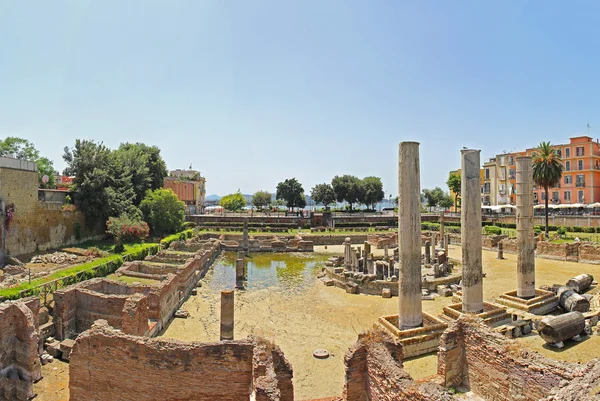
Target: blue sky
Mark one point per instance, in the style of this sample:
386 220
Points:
253 92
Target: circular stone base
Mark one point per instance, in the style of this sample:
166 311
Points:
321 353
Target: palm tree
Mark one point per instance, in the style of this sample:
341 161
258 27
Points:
547 170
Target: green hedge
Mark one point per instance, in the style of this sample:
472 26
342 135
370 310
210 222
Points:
96 268
180 236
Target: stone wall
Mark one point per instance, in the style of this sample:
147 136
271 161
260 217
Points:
19 360
509 245
589 253
374 372
549 250
35 228
494 367
108 365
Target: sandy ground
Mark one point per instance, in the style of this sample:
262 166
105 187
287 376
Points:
327 317
54 385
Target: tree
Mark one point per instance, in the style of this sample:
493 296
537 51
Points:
101 187
163 211
18 148
433 196
372 189
347 188
323 193
233 202
547 170
446 201
454 184
25 150
145 165
261 199
292 193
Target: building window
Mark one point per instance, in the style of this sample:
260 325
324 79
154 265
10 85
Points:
544 195
487 173
567 166
512 174
567 152
580 196
512 160
579 151
555 197
486 188
580 164
559 152
568 179
567 196
580 180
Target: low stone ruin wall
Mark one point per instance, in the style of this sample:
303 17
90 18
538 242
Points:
109 365
77 307
495 368
19 360
567 252
589 253
374 372
509 245
490 242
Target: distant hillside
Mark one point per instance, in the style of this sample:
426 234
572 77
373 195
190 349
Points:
213 198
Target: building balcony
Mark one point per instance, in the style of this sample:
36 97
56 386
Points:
580 184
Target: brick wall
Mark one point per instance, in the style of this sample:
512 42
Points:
108 365
494 367
374 372
589 253
19 361
549 250
33 226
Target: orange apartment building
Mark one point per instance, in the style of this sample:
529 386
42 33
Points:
580 182
190 187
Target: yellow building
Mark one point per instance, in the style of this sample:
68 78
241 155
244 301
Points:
481 183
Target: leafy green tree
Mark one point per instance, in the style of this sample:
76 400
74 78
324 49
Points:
372 191
454 185
101 187
233 202
163 211
292 193
547 170
145 166
433 196
347 188
18 148
25 150
323 193
446 202
261 199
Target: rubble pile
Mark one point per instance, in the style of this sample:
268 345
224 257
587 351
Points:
56 258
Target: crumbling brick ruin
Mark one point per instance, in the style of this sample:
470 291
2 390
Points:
109 365
374 372
138 309
474 356
19 342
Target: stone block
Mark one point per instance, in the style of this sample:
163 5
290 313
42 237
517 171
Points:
386 293
352 288
53 348
328 282
66 346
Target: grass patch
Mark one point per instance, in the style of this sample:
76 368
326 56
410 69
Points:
131 280
92 269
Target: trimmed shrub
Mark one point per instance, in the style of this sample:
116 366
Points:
493 230
126 230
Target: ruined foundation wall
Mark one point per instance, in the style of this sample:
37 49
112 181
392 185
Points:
568 252
374 372
493 367
589 253
272 373
19 361
108 365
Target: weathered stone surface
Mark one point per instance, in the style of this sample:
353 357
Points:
386 293
108 365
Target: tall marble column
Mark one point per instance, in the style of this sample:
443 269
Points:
470 220
409 236
525 242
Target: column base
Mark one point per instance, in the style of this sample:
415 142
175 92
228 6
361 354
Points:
416 341
542 303
492 315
